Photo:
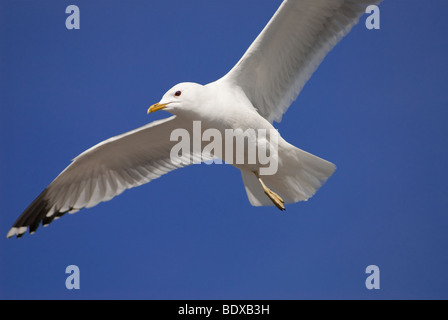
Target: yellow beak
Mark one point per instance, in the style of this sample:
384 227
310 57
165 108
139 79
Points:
157 106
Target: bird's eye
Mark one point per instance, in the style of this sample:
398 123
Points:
178 93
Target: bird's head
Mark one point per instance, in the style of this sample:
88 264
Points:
183 98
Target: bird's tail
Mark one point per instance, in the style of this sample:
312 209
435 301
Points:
299 175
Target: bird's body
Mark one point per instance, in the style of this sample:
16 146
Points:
253 94
224 106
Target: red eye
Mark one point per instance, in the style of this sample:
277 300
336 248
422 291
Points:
178 93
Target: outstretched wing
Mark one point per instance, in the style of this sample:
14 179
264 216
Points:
285 54
104 171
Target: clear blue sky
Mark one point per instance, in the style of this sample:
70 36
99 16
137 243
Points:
377 107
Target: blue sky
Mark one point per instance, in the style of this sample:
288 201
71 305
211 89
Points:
376 107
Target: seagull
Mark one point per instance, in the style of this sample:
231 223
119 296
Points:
256 92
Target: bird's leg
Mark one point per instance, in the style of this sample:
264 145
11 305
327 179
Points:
275 198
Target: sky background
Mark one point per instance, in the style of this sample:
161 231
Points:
377 107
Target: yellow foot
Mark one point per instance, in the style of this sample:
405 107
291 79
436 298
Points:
275 198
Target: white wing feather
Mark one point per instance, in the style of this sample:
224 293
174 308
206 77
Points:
104 171
285 54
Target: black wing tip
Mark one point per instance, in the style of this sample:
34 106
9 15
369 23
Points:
19 230
32 217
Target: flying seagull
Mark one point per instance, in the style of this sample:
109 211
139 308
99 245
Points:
255 92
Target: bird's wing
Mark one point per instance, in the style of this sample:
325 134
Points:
283 57
104 171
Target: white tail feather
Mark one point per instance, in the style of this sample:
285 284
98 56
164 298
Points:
299 176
